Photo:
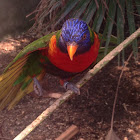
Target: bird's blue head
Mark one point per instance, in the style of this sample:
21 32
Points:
74 38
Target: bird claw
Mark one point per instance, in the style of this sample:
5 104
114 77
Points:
37 87
72 87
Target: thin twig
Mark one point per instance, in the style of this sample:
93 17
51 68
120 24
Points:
117 89
86 78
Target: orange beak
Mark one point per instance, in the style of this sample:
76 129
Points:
71 48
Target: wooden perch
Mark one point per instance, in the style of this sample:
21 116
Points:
69 133
86 78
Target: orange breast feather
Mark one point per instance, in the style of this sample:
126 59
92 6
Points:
79 63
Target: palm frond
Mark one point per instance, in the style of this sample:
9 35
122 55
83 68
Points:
120 27
131 23
137 2
99 18
109 23
91 9
104 16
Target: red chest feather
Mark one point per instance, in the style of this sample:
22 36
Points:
79 62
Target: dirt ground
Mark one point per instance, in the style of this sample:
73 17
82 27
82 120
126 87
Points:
91 111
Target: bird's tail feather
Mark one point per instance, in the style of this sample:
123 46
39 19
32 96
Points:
9 96
10 93
7 79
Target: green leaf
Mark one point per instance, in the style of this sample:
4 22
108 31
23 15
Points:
138 5
131 24
67 9
109 23
83 5
113 39
99 18
120 27
88 15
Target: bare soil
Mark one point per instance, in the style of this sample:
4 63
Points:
91 111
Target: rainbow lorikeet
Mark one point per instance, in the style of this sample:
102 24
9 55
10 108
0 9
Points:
63 53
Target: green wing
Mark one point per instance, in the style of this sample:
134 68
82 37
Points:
16 81
37 44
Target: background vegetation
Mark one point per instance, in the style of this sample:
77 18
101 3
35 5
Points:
114 20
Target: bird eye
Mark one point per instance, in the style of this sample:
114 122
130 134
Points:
84 36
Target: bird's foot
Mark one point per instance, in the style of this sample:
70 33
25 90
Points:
37 87
70 86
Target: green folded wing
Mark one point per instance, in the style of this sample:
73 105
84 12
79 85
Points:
16 81
37 44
